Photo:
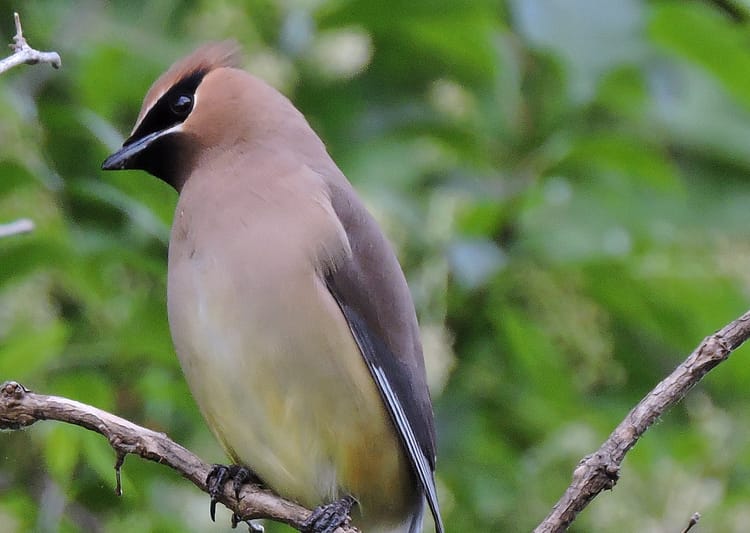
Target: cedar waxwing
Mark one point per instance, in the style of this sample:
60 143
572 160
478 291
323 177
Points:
288 309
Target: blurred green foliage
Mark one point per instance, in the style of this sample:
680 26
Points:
567 183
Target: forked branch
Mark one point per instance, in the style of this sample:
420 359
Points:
24 54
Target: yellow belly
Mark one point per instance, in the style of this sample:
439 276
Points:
283 386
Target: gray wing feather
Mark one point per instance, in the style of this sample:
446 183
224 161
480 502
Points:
371 291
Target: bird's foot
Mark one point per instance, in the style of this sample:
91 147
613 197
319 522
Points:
326 518
219 476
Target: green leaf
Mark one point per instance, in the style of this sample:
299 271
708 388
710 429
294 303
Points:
628 155
27 351
708 39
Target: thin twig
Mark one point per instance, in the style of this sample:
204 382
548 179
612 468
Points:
20 408
22 225
601 470
24 54
693 520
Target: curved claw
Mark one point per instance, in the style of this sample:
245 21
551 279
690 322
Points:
220 476
326 518
215 481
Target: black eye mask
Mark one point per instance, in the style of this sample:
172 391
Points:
171 109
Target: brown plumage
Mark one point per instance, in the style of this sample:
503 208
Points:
289 311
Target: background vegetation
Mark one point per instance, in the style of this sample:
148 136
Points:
566 181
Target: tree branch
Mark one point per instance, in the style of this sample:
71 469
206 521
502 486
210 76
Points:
693 521
24 54
600 470
20 408
22 225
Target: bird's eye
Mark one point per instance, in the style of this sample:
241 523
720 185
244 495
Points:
181 105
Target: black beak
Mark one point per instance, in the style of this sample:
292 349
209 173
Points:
127 156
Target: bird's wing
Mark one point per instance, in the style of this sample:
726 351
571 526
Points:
371 291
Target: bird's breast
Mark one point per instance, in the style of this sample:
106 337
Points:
272 363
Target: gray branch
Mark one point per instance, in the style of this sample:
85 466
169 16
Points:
19 408
601 470
24 54
22 225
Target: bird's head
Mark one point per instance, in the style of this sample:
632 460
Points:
200 104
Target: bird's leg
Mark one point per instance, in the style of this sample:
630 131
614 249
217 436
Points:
220 475
326 518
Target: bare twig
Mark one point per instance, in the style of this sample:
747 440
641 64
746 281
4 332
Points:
20 408
24 54
600 470
693 520
22 225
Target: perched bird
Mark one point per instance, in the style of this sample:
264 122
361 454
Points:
288 309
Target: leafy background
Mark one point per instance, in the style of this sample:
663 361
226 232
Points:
566 182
